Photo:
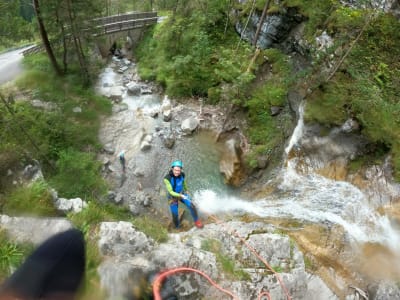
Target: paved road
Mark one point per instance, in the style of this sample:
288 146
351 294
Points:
10 65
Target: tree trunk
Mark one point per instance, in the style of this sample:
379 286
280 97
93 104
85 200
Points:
264 13
45 39
78 46
64 41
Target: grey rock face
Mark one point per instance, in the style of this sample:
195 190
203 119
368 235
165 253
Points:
122 239
33 230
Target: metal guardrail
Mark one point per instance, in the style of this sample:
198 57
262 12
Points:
124 25
112 24
123 17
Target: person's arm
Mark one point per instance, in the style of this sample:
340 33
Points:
170 190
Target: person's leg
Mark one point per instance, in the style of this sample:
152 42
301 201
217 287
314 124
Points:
193 211
173 206
54 269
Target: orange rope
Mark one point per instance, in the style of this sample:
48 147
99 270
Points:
161 277
264 294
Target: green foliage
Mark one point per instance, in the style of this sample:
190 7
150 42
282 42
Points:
191 54
78 175
317 13
366 86
11 255
33 199
48 133
151 227
264 131
14 29
346 18
226 263
96 213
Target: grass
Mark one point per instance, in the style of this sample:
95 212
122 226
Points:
226 263
63 141
151 227
11 255
34 199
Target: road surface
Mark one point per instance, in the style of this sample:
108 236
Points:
11 65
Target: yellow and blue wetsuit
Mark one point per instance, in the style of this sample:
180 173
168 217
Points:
176 186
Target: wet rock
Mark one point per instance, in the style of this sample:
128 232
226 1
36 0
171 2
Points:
169 140
262 162
350 125
123 69
229 164
275 110
133 88
126 62
107 84
154 113
116 108
167 115
116 94
145 90
189 125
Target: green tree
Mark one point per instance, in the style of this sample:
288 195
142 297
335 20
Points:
13 27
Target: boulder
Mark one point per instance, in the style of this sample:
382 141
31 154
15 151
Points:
189 125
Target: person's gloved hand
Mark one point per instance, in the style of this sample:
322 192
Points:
184 196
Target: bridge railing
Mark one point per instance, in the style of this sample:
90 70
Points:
123 17
111 24
124 25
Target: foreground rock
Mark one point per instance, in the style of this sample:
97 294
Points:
31 229
127 251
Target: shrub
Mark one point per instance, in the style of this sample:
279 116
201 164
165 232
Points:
78 175
32 199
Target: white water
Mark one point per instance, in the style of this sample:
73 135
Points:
311 198
109 80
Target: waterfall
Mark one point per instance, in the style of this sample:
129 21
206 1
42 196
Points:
298 131
311 198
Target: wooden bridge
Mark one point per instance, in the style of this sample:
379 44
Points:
113 24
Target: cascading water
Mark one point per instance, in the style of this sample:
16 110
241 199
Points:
311 198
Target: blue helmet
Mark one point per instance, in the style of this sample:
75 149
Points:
177 163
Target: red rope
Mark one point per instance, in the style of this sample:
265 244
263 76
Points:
163 275
264 294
